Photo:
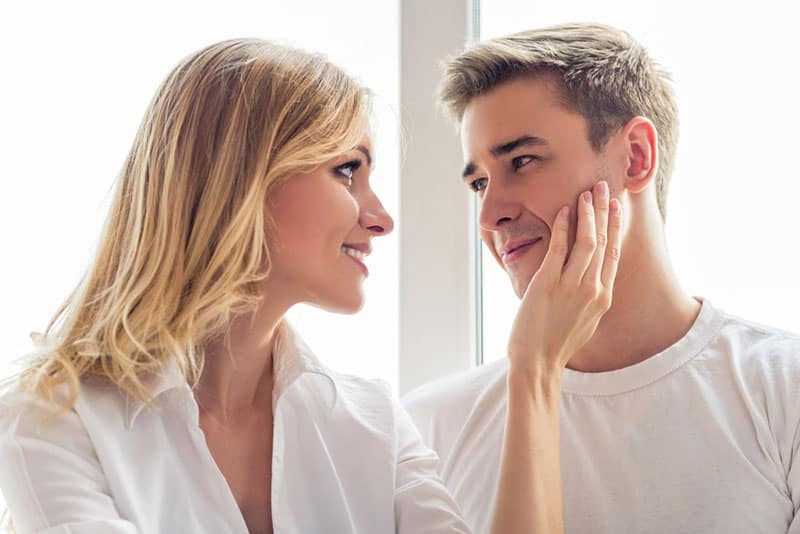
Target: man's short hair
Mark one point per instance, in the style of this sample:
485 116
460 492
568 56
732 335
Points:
603 73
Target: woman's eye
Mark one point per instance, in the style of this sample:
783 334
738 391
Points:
348 171
521 161
479 184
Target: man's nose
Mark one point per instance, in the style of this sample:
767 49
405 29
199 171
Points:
498 206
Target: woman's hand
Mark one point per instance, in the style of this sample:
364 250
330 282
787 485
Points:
565 299
559 313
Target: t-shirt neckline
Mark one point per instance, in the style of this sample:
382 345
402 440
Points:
646 372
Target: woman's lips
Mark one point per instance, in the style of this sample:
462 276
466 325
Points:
357 253
360 263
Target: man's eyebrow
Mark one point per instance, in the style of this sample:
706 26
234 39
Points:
525 140
506 148
469 169
364 150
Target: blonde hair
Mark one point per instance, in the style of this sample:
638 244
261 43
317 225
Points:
183 248
603 74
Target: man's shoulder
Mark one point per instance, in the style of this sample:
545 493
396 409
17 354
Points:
457 389
441 408
764 359
758 343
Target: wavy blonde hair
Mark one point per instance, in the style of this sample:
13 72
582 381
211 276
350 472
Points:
184 245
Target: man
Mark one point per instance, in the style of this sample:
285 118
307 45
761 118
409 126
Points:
675 417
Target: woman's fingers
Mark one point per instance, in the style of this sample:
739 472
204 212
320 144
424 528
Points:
585 242
553 263
611 261
601 206
563 304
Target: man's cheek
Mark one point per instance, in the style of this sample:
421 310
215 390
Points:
488 241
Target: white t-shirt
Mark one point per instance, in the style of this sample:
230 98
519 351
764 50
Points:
702 437
346 459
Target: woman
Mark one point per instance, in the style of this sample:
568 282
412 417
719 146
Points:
185 401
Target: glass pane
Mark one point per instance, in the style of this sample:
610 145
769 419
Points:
732 201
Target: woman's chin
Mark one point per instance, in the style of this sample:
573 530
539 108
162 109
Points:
344 304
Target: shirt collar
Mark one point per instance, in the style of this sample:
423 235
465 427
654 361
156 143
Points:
169 378
292 358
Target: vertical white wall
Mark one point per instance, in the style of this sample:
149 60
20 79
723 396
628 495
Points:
437 252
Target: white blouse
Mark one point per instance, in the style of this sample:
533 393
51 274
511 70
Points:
346 458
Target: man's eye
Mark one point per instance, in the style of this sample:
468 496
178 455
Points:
478 184
521 161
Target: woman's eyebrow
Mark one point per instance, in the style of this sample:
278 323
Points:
364 150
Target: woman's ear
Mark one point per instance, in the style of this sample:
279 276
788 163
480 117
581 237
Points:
641 158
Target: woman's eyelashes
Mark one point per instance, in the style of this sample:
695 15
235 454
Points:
347 171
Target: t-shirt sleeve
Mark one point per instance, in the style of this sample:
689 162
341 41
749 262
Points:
422 502
50 475
793 480
784 392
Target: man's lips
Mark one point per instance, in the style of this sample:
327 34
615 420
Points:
513 250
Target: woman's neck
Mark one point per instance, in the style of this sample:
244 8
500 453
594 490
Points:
237 376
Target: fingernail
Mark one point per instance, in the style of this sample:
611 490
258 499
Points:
587 197
602 189
616 207
564 213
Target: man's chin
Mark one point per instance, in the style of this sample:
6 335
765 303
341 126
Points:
521 278
520 284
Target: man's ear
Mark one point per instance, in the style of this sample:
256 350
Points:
640 141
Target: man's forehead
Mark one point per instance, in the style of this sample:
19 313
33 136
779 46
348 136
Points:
512 102
493 139
482 131
502 148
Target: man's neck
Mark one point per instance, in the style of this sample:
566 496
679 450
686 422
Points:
650 311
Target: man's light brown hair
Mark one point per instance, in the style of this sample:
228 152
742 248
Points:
603 73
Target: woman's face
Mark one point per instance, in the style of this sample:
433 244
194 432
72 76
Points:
323 223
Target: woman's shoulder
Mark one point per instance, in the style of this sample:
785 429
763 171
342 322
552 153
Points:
379 388
25 417
23 413
361 395
347 392
368 401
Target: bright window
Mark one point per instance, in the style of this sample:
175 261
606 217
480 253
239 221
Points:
733 200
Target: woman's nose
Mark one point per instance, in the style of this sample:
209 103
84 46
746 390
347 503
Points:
375 218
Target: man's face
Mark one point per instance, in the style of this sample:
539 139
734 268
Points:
526 157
